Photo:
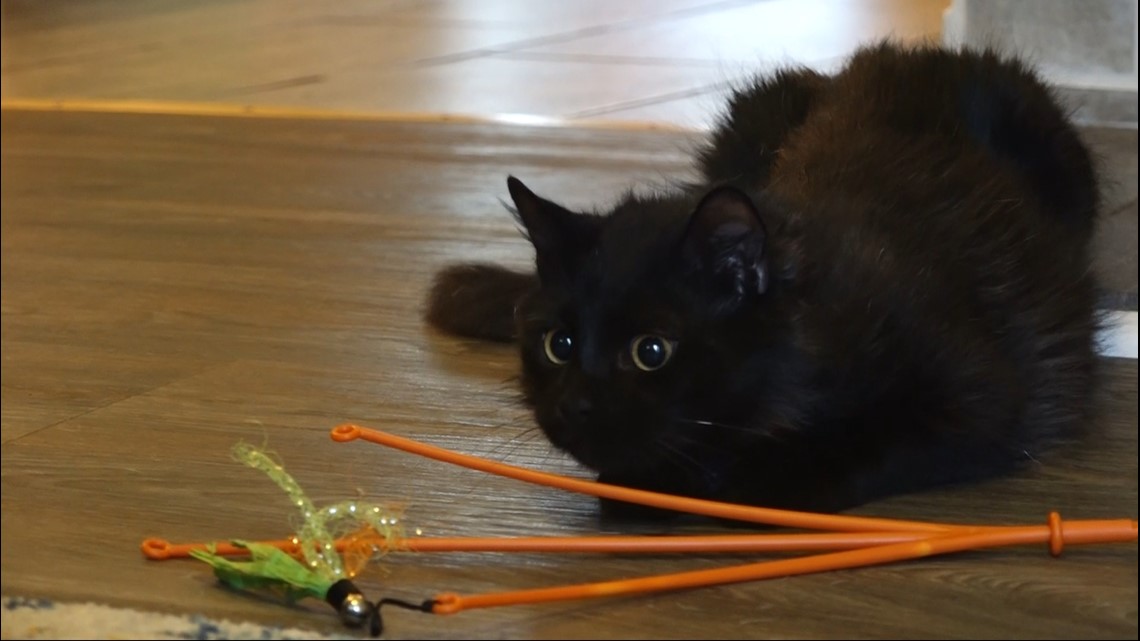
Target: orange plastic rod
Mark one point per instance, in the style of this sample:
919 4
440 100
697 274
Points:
1056 534
160 549
769 516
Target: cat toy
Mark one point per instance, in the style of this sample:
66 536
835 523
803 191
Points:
332 544
841 542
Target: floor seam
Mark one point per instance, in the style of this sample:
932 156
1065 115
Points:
583 32
116 401
650 100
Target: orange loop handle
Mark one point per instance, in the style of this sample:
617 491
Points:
157 549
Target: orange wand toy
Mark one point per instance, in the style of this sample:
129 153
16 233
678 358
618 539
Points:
935 538
845 541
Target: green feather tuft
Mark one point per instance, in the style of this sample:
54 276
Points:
268 568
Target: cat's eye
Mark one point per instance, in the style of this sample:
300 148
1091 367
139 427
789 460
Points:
559 346
650 352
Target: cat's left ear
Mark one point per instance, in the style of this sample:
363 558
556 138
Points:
560 236
726 244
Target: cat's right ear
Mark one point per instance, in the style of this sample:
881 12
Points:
559 235
726 247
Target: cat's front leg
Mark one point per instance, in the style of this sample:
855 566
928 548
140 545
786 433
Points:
613 512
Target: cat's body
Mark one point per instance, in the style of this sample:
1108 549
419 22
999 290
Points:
881 285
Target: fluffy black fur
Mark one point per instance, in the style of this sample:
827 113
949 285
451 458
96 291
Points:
881 285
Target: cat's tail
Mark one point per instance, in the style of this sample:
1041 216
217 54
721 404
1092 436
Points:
477 301
997 100
1018 116
761 113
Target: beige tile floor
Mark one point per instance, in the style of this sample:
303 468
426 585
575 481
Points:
661 61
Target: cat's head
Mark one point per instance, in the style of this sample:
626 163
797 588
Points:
639 347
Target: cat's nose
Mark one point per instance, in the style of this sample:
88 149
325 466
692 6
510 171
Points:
575 411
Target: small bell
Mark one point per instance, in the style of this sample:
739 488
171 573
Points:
354 609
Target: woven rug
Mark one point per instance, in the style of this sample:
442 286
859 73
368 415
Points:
44 619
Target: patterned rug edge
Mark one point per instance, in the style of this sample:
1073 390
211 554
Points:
25 618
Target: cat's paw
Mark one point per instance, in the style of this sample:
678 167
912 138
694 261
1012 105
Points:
616 513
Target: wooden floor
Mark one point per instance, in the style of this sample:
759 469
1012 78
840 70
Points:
173 285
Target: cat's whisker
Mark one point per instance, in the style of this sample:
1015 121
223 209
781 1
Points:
722 426
519 439
682 457
504 450
750 431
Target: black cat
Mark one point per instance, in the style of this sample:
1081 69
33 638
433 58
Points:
882 284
